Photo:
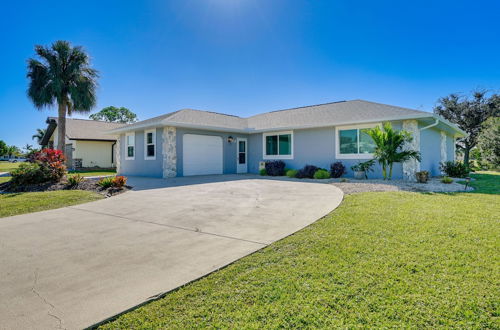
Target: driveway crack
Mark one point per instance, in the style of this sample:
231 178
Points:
46 302
195 230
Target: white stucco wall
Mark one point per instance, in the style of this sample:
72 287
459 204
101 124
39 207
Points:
93 153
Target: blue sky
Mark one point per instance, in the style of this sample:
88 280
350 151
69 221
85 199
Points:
250 56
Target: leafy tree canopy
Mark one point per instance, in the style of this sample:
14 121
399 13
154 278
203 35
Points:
115 115
489 142
469 113
3 148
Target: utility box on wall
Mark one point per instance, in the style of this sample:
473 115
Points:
262 165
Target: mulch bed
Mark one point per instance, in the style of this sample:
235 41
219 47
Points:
87 184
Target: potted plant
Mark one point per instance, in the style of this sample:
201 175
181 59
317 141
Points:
422 176
361 169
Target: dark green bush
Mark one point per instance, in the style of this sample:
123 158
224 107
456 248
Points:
262 171
275 168
291 173
337 169
454 169
29 173
307 172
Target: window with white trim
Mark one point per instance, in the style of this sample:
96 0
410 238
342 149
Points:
354 142
150 144
130 145
278 145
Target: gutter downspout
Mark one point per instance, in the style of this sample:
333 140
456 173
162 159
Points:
431 125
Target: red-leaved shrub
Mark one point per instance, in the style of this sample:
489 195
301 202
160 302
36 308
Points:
119 181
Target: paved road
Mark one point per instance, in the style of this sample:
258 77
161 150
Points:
75 266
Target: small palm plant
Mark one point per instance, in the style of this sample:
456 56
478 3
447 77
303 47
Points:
389 145
62 75
40 132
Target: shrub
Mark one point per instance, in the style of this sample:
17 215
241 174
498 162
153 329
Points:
446 180
47 165
74 180
454 169
291 173
262 171
119 181
307 172
105 183
275 168
422 176
337 170
322 174
28 173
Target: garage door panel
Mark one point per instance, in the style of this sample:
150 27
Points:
202 154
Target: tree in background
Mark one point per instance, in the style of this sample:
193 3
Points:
489 142
3 148
13 151
62 75
389 145
115 115
40 132
469 113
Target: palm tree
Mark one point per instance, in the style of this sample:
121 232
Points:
40 132
389 146
13 151
62 75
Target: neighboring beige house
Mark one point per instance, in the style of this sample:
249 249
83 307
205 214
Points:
87 142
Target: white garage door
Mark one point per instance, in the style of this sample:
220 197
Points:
201 154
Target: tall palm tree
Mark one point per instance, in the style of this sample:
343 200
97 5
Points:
389 146
40 132
62 75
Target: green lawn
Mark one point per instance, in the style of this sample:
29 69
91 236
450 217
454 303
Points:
94 172
487 182
19 203
7 167
388 259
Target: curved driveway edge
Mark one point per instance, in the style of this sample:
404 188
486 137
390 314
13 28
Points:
75 266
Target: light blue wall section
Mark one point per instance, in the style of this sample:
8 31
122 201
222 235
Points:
430 149
229 149
139 166
313 147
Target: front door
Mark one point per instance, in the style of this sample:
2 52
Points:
241 156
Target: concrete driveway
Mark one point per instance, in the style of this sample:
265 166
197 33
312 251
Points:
75 266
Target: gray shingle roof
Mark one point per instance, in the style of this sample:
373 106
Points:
344 112
321 115
84 129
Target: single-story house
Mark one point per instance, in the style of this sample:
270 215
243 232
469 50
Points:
87 144
193 142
